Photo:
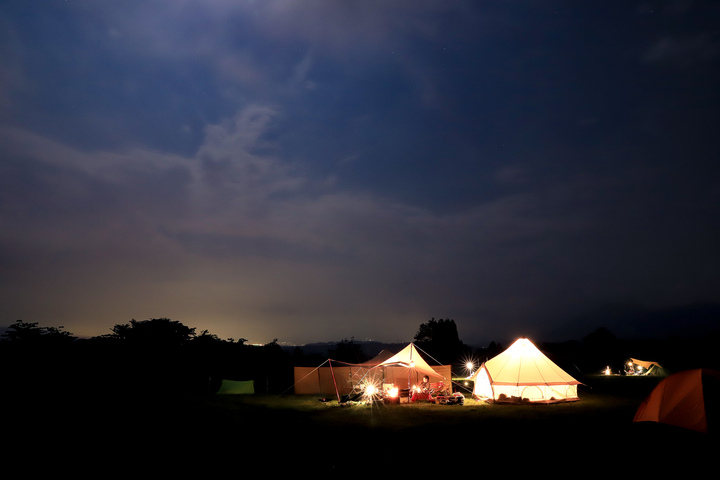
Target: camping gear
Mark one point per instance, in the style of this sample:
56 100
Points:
523 374
456 398
689 399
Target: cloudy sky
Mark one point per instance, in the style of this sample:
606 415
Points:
314 170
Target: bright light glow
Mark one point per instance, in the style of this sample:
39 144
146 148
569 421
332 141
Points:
371 390
469 365
393 392
607 370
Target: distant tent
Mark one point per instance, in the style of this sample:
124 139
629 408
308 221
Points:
234 387
522 373
650 368
688 399
402 369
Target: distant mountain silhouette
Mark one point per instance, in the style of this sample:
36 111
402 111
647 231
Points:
369 347
627 320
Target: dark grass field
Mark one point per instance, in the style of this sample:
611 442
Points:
288 434
595 435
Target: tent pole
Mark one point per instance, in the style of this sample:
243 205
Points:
337 393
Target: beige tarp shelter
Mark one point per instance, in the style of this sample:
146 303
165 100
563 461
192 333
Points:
685 399
522 373
403 369
407 368
649 368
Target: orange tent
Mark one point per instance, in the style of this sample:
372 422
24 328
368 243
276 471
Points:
686 399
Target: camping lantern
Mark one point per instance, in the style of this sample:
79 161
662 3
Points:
392 395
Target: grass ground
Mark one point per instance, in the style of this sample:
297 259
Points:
595 435
276 434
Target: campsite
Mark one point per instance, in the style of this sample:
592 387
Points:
291 434
137 407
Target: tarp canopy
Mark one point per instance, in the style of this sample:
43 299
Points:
648 368
402 369
685 399
643 363
522 373
409 358
378 359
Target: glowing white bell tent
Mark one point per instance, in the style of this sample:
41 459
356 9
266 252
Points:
523 374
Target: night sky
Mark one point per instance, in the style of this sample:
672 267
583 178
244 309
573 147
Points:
318 170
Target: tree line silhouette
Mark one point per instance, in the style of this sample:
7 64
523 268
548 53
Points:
157 354
150 356
162 356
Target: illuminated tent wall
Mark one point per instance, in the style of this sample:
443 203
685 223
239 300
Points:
522 373
685 399
403 369
339 378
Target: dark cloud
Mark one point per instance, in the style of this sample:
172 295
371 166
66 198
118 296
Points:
325 170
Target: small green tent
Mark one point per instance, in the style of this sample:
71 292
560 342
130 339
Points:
234 387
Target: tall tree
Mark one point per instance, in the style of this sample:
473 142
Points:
347 351
156 332
31 334
439 338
